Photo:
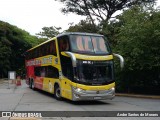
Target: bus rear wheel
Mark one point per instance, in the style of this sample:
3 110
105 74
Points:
32 85
57 92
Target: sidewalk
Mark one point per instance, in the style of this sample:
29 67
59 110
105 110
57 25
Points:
138 95
7 86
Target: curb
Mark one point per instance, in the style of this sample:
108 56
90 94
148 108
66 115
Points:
138 96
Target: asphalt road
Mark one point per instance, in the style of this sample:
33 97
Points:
22 98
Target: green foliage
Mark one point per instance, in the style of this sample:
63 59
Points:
138 41
5 52
102 10
110 31
49 32
83 26
13 43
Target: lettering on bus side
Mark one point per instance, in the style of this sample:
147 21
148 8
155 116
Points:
33 62
46 60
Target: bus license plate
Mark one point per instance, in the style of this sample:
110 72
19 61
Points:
96 98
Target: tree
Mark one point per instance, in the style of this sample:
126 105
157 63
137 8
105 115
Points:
138 41
83 26
5 53
101 9
13 43
49 32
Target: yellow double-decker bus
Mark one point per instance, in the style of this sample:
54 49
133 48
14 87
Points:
75 66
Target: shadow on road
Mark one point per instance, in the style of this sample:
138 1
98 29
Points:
86 102
94 102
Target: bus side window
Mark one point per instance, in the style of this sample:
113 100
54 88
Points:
52 48
47 49
46 71
43 72
42 50
36 52
39 52
37 71
60 45
52 72
63 43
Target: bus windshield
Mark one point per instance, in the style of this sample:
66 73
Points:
95 72
89 44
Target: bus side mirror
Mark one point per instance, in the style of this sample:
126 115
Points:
121 60
73 58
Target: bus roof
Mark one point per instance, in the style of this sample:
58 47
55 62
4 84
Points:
66 33
79 33
41 44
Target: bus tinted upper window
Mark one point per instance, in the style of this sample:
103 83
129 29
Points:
88 44
43 50
63 43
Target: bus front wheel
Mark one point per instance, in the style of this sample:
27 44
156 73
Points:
57 92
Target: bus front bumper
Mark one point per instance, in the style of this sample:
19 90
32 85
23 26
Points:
79 94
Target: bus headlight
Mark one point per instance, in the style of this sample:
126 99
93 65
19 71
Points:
78 90
112 90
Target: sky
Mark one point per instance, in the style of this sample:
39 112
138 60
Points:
33 15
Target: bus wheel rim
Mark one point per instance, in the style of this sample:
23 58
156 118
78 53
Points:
58 93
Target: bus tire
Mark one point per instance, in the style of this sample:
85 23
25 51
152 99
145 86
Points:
57 92
32 84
